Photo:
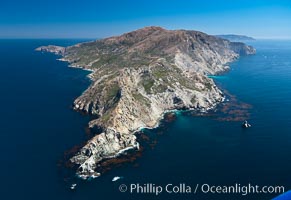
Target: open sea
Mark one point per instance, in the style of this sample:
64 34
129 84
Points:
37 125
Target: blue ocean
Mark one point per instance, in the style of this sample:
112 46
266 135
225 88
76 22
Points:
38 125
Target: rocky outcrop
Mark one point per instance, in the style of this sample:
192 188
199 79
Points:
108 144
52 49
137 77
242 49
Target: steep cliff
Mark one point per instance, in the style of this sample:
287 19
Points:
138 76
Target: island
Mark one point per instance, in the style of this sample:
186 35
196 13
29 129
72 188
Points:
236 38
139 76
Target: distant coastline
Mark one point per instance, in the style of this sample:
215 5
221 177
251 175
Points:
236 38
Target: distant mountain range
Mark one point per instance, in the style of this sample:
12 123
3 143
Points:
236 38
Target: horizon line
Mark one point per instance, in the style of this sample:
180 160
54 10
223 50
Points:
97 38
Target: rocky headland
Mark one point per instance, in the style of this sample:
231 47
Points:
137 77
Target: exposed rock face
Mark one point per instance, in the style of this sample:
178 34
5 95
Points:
137 77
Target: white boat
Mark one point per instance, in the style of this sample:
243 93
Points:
246 125
73 186
116 178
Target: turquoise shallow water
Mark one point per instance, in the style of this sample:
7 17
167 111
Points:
38 125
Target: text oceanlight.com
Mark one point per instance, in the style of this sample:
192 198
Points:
182 188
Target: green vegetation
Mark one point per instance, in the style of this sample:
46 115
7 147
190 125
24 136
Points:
208 85
113 91
147 82
160 88
193 100
106 116
140 98
160 72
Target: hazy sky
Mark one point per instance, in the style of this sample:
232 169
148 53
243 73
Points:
96 19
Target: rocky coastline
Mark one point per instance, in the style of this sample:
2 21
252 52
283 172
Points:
138 77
